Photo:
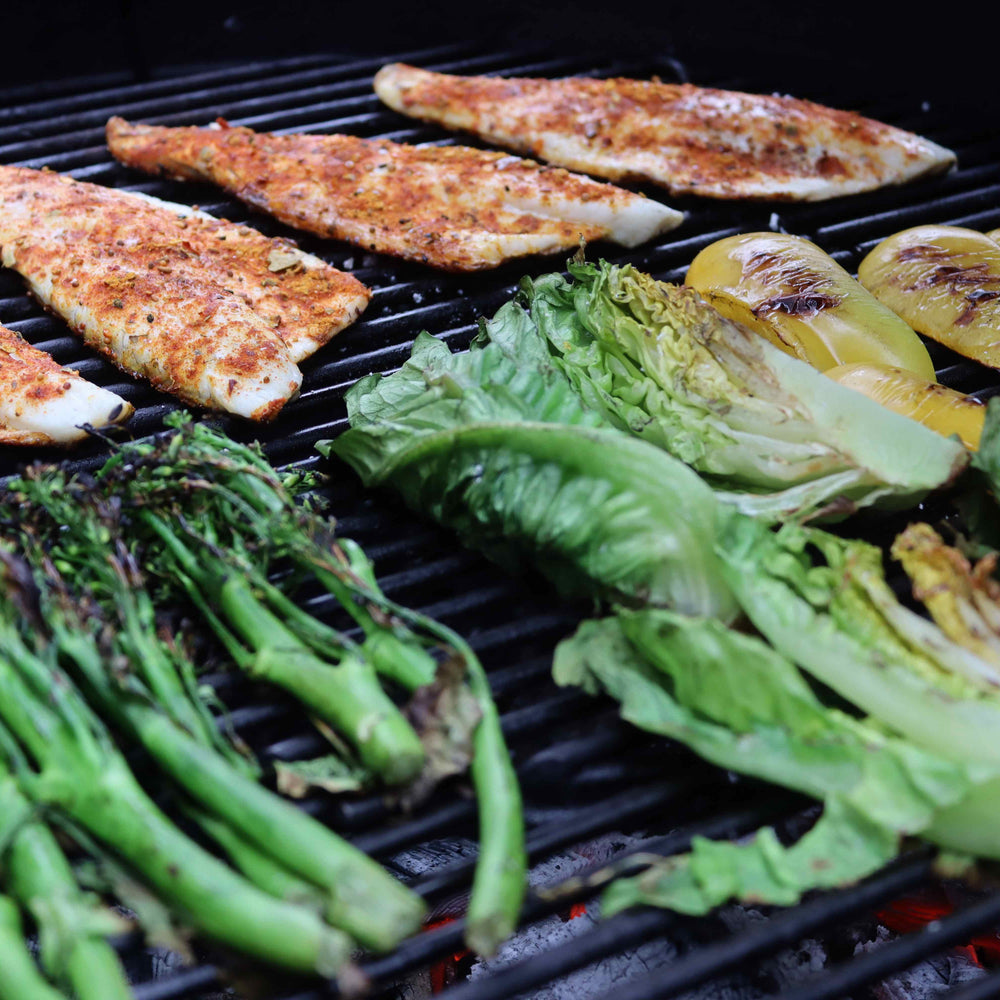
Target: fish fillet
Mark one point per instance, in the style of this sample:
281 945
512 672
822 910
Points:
305 299
43 403
214 313
690 140
455 208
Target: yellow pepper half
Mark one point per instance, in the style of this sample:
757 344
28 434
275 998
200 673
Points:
787 289
945 282
935 406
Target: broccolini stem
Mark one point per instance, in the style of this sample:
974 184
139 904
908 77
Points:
95 971
361 897
399 658
500 880
71 952
81 773
19 976
209 896
168 686
258 866
346 695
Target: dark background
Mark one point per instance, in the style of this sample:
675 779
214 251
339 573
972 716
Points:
942 51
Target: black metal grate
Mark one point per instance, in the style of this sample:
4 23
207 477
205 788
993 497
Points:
583 772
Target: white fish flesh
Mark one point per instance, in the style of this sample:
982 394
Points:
688 139
43 403
215 313
454 207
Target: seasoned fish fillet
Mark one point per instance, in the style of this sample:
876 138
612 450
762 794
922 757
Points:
43 403
305 299
690 140
198 306
455 208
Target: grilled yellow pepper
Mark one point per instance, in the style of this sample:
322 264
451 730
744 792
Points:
804 302
945 282
935 406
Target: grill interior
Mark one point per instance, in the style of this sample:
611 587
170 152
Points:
584 773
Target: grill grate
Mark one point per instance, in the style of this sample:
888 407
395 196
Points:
584 773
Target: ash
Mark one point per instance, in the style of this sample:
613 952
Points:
925 980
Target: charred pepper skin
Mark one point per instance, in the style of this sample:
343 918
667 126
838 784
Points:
934 405
945 282
791 292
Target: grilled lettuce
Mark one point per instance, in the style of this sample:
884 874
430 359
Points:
559 454
823 602
739 703
509 457
842 848
764 427
962 598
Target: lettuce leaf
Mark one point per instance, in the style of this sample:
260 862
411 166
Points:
977 497
823 602
842 848
741 705
655 359
964 600
600 513
987 458
738 703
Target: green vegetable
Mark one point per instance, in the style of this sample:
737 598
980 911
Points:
240 506
214 520
345 693
258 865
963 600
520 445
771 431
601 514
82 633
222 486
72 927
840 849
738 703
109 598
351 881
823 602
19 976
72 931
987 458
65 759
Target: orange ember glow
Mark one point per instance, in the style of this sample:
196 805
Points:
911 913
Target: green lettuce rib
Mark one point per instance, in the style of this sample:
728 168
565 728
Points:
740 704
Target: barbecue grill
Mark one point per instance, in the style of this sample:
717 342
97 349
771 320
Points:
597 792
